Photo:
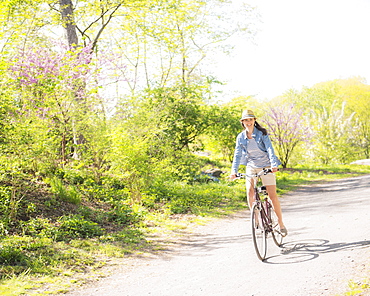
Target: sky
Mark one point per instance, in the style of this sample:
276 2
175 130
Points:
299 43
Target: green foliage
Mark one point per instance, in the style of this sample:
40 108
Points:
334 142
67 193
12 256
105 192
220 139
130 162
193 199
111 166
75 226
359 287
182 198
182 166
225 125
14 186
5 196
3 228
24 253
38 227
122 214
179 115
21 255
181 35
338 117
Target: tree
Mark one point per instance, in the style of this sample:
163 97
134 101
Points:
167 43
287 128
163 46
46 82
68 21
356 93
335 133
97 17
326 99
220 138
179 115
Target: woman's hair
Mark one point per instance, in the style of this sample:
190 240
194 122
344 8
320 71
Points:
259 127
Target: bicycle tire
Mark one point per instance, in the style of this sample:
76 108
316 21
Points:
259 234
276 234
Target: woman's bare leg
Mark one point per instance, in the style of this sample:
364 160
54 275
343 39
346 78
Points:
250 192
271 190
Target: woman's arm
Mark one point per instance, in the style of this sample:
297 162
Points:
237 156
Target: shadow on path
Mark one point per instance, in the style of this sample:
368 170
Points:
305 250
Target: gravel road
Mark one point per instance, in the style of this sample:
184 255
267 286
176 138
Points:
328 245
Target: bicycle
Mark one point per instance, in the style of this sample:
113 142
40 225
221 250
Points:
263 217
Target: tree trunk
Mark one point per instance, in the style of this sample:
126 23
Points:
66 8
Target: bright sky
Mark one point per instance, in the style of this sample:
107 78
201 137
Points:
300 43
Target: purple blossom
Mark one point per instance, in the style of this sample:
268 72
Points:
287 127
37 66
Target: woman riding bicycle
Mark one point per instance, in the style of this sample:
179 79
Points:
254 149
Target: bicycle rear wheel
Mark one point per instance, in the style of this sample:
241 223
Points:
276 234
258 233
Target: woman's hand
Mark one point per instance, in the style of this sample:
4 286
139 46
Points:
232 177
274 170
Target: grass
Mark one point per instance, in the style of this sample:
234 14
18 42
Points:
37 265
289 179
358 288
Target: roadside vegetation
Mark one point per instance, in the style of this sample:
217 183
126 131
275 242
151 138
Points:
359 287
105 140
66 244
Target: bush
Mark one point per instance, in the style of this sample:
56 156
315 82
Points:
183 166
183 198
75 226
105 193
13 256
122 214
3 228
37 227
67 193
5 195
74 176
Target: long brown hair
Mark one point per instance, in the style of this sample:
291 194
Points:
260 128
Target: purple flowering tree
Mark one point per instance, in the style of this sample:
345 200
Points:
48 70
52 89
61 101
287 128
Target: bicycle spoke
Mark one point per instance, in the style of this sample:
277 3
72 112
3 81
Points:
258 233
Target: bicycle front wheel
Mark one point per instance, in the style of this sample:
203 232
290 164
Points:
276 234
259 234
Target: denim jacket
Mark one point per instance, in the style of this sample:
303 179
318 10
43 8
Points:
263 143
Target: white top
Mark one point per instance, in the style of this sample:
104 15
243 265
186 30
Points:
256 158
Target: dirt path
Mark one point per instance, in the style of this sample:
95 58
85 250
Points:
328 245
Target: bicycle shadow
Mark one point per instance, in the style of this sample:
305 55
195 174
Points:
306 250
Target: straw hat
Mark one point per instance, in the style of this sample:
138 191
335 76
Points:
247 114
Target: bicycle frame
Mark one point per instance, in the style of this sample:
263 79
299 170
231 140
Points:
263 217
263 205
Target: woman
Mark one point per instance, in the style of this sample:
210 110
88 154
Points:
254 149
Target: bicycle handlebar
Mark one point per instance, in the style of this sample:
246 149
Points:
264 171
